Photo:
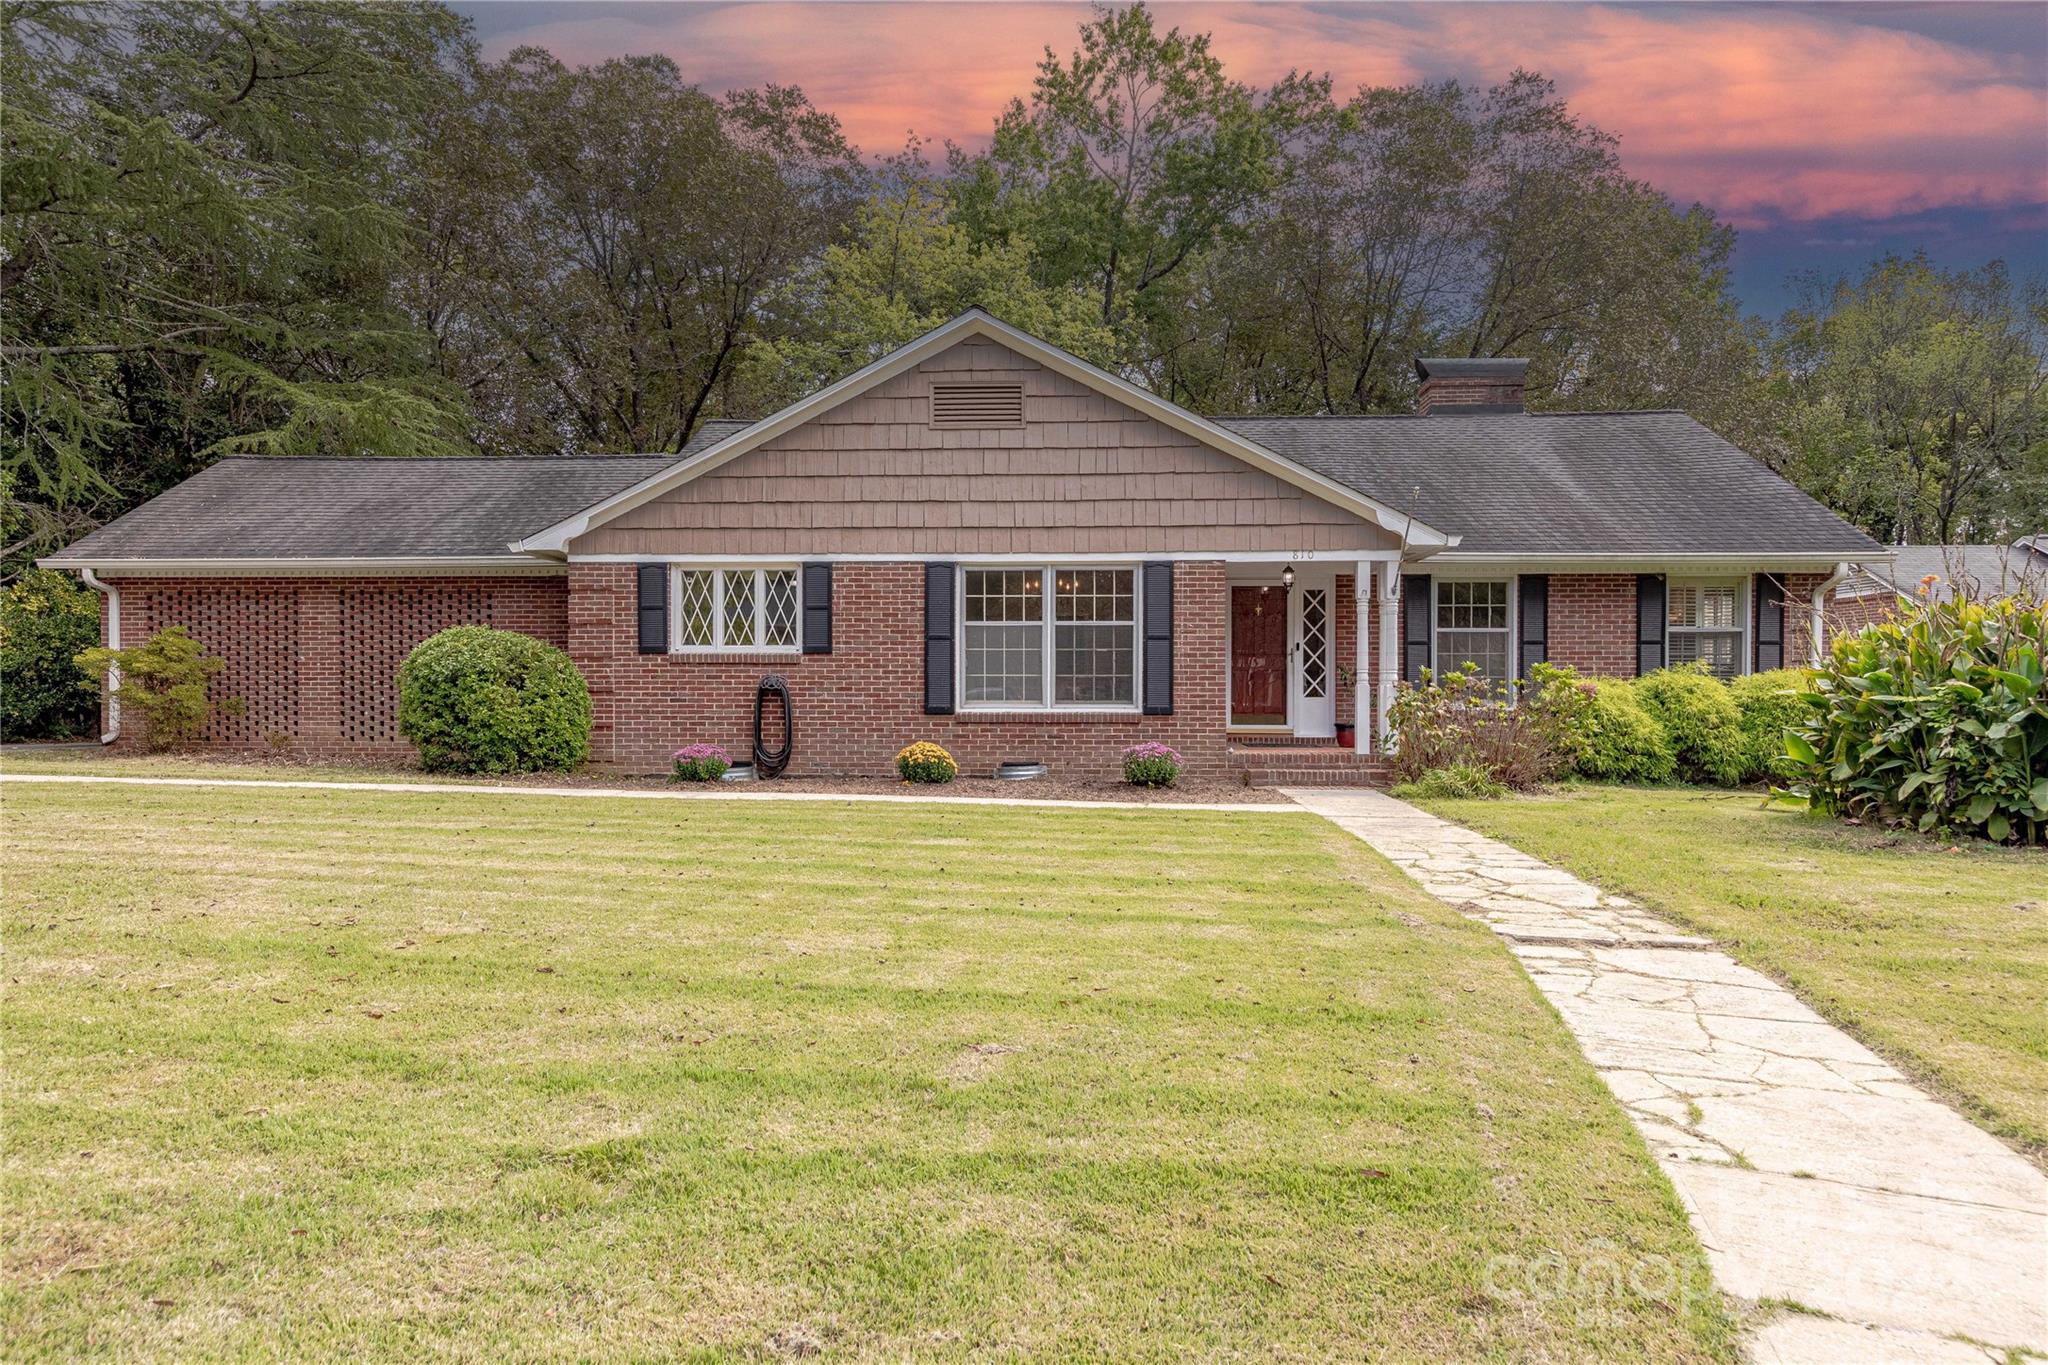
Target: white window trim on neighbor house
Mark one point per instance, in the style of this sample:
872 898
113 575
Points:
758 621
1745 593
1437 583
1049 572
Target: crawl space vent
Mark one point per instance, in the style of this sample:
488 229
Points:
977 405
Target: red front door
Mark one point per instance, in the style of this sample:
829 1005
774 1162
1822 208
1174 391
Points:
1258 656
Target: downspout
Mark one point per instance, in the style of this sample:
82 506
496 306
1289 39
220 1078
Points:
1815 650
113 595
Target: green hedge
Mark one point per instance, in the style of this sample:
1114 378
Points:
1938 720
1702 721
1623 741
1770 705
478 700
47 619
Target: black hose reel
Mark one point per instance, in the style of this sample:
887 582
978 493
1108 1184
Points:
770 762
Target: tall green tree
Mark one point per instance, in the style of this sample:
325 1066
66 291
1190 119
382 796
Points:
604 243
907 268
199 229
1133 156
1914 399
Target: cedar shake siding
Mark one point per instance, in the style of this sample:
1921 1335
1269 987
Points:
315 661
1083 474
857 706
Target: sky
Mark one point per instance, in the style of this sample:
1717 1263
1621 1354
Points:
1828 134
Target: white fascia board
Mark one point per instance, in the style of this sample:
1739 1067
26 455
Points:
1644 563
1339 558
975 323
484 565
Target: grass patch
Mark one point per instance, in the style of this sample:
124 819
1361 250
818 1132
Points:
332 1073
1934 954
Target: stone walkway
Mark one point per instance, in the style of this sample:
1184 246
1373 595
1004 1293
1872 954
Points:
1814 1172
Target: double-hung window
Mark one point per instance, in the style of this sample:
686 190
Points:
739 609
1049 636
1472 627
1706 624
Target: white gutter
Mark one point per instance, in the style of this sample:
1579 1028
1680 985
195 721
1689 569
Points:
1818 621
113 594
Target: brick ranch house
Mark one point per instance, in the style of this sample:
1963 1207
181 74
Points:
984 541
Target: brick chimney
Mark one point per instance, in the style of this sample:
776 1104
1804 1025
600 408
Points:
1468 387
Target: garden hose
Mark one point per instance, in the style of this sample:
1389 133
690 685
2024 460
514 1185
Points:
770 762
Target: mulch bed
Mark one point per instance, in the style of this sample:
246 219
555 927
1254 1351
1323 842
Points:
1052 787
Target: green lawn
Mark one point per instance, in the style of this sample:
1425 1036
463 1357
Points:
324 1073
1935 955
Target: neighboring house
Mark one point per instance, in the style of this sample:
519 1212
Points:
984 541
1875 592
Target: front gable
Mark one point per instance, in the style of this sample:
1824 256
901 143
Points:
1032 452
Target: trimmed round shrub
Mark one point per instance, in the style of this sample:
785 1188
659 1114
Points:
1770 704
700 763
47 619
1623 742
477 700
1700 717
1151 764
925 762
1459 782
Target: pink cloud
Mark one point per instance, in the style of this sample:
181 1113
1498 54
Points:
1767 115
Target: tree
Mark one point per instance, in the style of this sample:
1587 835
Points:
1915 399
197 238
907 268
1133 157
606 241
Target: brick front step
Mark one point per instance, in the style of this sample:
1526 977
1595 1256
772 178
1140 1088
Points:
1304 766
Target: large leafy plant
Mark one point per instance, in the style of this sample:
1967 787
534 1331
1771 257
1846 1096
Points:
1938 719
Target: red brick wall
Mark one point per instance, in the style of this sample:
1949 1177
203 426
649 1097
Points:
1593 622
314 661
858 705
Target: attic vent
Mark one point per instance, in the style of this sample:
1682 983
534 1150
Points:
977 405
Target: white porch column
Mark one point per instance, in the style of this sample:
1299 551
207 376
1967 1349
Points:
1390 639
1361 678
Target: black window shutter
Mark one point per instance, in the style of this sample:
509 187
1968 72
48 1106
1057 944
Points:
1649 623
653 608
1414 625
1770 623
1158 638
817 608
939 580
1532 616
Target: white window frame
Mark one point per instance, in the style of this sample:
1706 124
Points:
1439 665
1745 599
1049 571
760 572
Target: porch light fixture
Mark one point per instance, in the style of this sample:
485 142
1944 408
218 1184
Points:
1287 577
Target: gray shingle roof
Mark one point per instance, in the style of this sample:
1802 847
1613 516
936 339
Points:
1542 484
1989 567
1562 484
307 508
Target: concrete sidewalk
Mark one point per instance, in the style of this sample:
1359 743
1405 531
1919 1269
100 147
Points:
708 792
1813 1170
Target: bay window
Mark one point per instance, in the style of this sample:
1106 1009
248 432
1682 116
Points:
1705 623
1472 627
735 609
1042 636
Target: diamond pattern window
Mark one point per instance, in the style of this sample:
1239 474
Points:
735 609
